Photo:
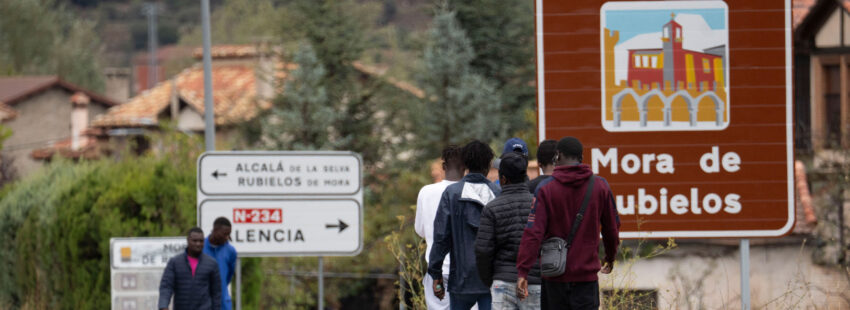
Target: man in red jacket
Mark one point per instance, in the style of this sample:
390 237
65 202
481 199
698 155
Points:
556 205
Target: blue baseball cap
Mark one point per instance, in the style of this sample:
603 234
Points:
515 145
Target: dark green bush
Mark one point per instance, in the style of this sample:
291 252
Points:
56 225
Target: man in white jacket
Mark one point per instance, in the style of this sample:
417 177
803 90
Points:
426 210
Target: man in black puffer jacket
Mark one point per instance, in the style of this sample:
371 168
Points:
499 234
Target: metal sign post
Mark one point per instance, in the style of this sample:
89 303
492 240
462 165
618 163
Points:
209 117
745 274
321 283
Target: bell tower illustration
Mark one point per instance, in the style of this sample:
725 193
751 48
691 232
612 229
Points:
674 60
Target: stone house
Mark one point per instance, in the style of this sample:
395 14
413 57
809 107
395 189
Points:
43 111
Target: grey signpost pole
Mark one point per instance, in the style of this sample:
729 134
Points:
321 283
745 274
209 122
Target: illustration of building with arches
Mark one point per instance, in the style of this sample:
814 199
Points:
667 86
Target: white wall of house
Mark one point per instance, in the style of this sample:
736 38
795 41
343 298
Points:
701 276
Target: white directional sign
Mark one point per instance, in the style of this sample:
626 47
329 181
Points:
279 173
136 266
284 203
276 227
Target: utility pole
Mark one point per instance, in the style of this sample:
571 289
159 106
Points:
150 10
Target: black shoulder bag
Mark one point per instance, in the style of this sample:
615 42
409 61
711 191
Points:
553 251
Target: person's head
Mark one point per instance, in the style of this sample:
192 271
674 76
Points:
546 152
513 145
512 168
569 151
477 156
221 231
195 241
452 162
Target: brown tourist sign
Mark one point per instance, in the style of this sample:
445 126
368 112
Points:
683 106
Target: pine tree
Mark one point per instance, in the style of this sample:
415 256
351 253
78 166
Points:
461 104
303 116
502 34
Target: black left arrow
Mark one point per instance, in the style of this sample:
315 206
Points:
216 174
342 225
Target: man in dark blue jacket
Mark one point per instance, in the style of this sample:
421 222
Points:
217 246
455 227
192 278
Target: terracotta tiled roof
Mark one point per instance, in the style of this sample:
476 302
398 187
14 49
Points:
17 88
801 8
234 97
234 91
228 51
90 150
6 112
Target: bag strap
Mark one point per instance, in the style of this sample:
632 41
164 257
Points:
580 215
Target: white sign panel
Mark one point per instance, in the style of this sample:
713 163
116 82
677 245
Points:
284 203
144 252
136 267
279 173
271 227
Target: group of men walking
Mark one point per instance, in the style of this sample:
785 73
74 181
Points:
492 232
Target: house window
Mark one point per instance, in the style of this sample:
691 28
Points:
637 61
678 33
666 33
630 299
655 61
706 65
832 100
646 61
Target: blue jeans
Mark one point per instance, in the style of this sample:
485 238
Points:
504 296
466 301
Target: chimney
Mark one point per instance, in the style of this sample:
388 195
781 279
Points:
265 71
79 119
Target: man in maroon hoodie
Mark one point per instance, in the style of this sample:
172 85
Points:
556 205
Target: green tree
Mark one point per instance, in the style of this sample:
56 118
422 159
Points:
302 117
461 104
502 34
44 37
335 30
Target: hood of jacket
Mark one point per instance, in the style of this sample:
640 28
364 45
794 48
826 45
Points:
477 189
572 175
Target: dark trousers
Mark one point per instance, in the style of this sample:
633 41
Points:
570 295
466 301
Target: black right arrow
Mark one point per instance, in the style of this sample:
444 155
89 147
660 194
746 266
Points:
342 225
215 174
